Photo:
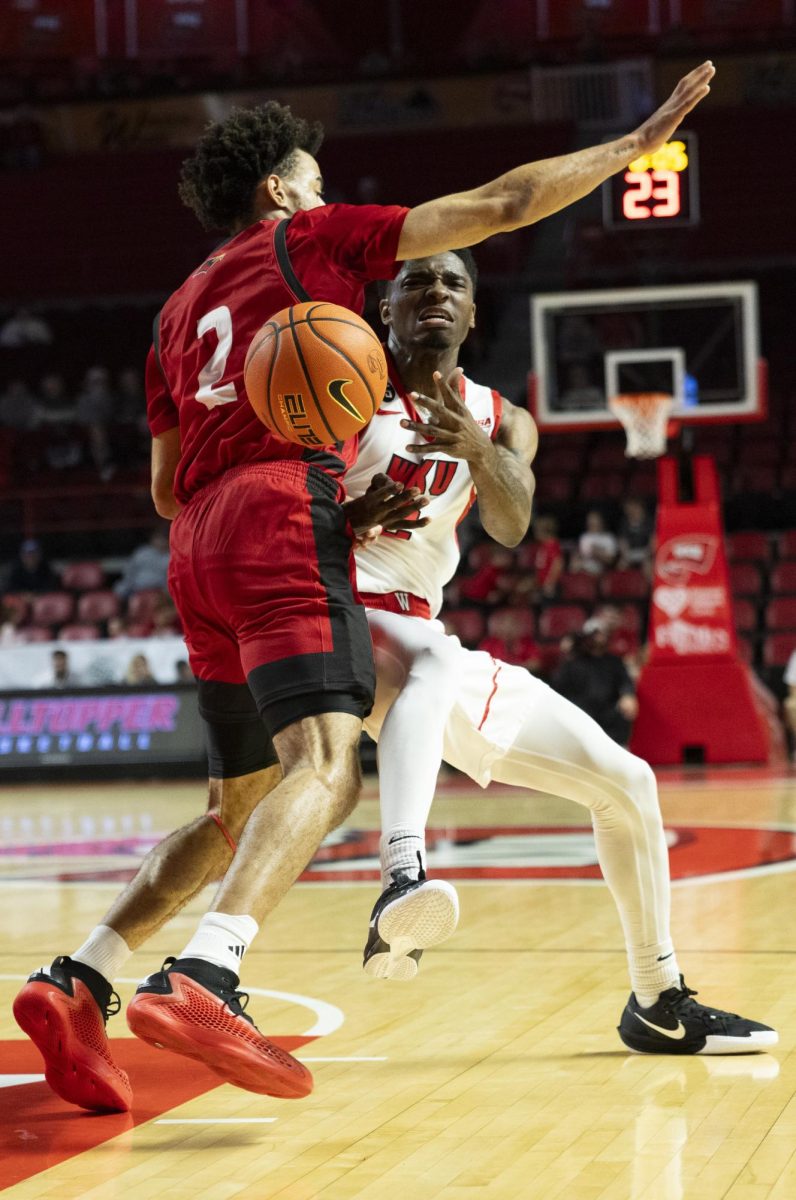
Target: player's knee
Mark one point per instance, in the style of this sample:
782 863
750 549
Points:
438 666
343 781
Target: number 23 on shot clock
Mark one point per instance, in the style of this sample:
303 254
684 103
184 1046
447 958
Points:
657 190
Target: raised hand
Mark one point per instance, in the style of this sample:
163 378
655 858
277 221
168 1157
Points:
658 128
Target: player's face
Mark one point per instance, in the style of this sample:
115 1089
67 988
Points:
430 303
303 186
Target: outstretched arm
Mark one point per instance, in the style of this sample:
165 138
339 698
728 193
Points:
534 191
501 470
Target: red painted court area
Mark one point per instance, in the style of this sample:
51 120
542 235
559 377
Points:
38 1130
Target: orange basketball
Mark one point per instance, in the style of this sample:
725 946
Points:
315 373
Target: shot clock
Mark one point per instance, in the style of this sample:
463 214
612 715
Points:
657 190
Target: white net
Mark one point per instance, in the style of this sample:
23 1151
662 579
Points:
645 416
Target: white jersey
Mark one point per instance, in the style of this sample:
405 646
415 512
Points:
419 563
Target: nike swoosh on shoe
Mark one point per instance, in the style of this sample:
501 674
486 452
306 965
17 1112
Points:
676 1034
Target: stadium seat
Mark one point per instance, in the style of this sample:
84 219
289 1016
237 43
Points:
79 633
554 489
36 633
761 452
780 614
97 606
138 629
759 480
578 586
14 602
750 546
566 460
787 479
83 576
745 616
608 456
467 623
142 605
560 619
607 485
630 619
783 579
624 585
746 649
524 620
52 608
745 579
777 649
643 483
786 544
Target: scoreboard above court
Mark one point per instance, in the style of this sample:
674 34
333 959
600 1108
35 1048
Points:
656 191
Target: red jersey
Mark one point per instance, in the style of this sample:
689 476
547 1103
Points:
195 369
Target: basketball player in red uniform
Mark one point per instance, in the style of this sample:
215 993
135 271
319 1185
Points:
275 635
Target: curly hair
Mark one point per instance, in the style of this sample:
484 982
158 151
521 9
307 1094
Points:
219 180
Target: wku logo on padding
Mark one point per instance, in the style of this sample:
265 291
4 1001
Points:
432 476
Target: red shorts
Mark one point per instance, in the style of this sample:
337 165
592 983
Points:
262 575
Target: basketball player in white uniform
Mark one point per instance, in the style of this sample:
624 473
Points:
488 719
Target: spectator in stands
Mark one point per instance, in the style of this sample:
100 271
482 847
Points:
597 546
31 573
11 617
636 531
60 673
599 683
96 408
580 393
620 640
147 567
139 672
54 405
789 703
165 621
131 398
506 640
183 672
17 406
25 328
548 561
489 564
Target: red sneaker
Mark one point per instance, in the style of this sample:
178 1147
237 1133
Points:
63 1010
194 1008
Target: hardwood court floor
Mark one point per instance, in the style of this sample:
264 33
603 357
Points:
497 1073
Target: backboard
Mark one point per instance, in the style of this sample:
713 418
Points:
698 343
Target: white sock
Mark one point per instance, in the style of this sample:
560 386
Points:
105 950
652 971
222 939
402 848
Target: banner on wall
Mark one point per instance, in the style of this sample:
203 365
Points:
99 663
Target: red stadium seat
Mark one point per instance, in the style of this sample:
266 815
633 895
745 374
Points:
786 544
554 489
608 456
79 633
643 483
467 623
746 649
36 633
525 622
97 606
745 615
14 602
138 629
83 576
780 614
560 619
787 479
778 648
609 485
52 608
751 546
783 579
630 618
761 452
566 460
745 579
624 585
761 480
142 605
577 585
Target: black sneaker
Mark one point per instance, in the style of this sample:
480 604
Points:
64 1009
676 1024
410 916
194 1008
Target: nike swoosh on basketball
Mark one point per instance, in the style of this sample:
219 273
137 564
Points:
676 1034
336 389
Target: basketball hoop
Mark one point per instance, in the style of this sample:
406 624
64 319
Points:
645 417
